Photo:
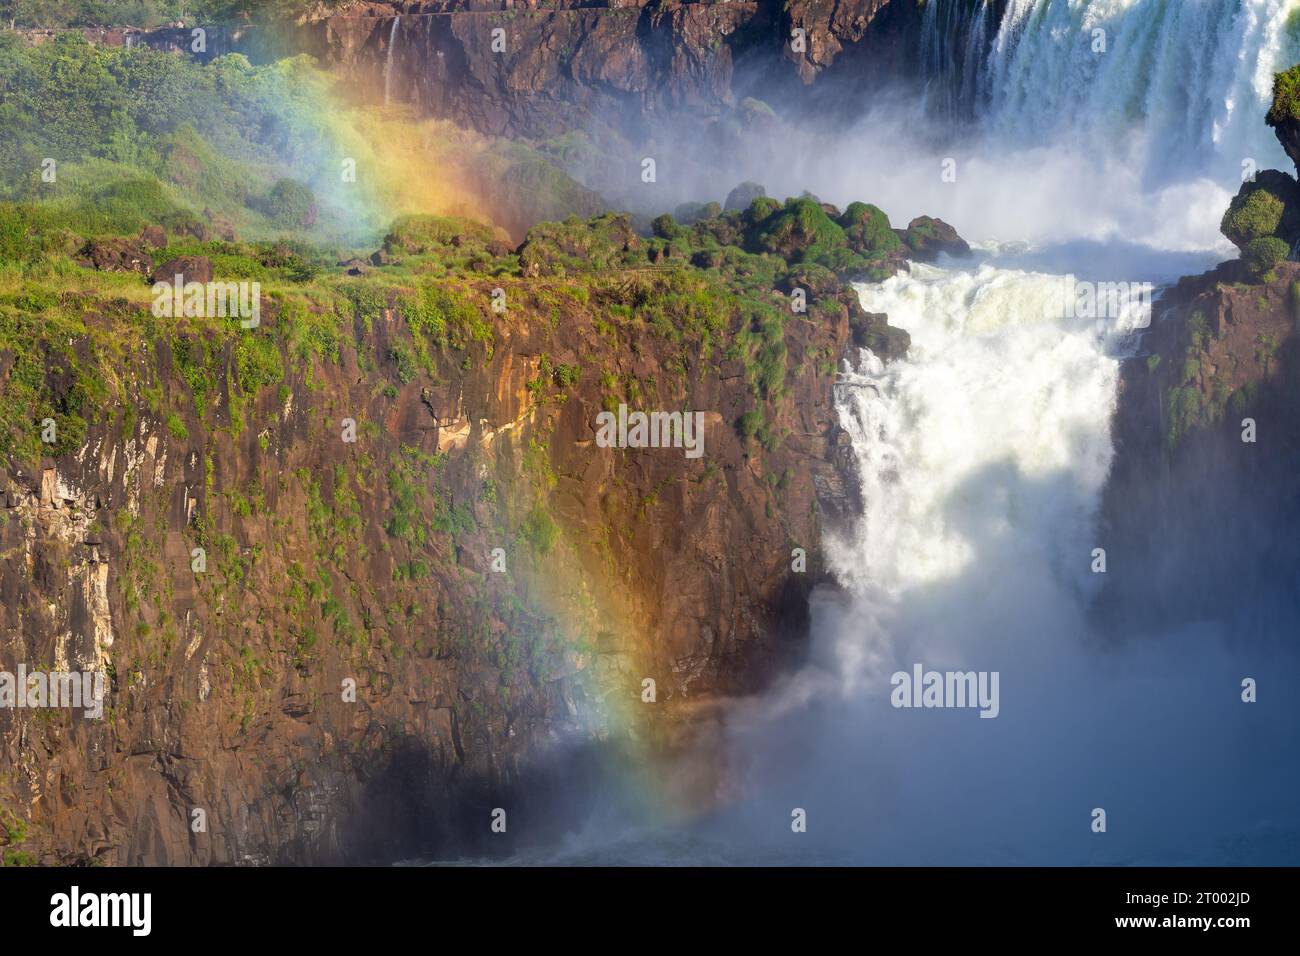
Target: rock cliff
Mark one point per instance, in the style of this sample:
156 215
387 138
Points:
363 573
1207 440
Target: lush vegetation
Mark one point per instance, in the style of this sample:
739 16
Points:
148 13
1286 97
109 139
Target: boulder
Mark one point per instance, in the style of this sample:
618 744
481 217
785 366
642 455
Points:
189 268
1268 206
928 238
117 255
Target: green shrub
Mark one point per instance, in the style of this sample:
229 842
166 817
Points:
1261 255
291 204
176 425
540 530
868 230
800 231
750 423
1286 97
1256 215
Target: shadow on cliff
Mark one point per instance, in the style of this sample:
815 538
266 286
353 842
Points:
409 807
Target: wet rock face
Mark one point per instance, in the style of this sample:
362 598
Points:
573 64
1202 495
928 238
1202 492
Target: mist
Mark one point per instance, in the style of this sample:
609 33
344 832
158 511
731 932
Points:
984 456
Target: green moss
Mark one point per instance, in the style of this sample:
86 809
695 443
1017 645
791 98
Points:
176 426
868 231
1256 215
425 234
1286 97
760 209
750 423
1184 413
801 231
540 530
1261 255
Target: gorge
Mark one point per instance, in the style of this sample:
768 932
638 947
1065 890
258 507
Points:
946 434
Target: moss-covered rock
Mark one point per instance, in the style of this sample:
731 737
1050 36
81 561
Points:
290 204
1252 216
426 235
815 279
760 209
692 212
1268 206
563 248
1284 114
1261 255
928 238
800 231
867 229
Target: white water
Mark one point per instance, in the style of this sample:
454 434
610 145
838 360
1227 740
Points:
1142 145
388 62
988 445
982 457
1180 85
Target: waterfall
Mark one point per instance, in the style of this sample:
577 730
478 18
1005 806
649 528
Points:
388 62
987 446
982 456
1192 76
954 37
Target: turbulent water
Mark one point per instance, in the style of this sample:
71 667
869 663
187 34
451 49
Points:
982 457
1193 73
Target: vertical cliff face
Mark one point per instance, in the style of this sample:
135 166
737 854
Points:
538 72
1207 441
403 494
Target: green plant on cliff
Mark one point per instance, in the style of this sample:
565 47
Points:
1256 215
800 231
868 230
1286 97
291 204
1183 414
13 832
1262 255
539 530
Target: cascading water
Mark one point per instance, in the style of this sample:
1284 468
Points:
988 443
1190 78
982 456
388 62
954 35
